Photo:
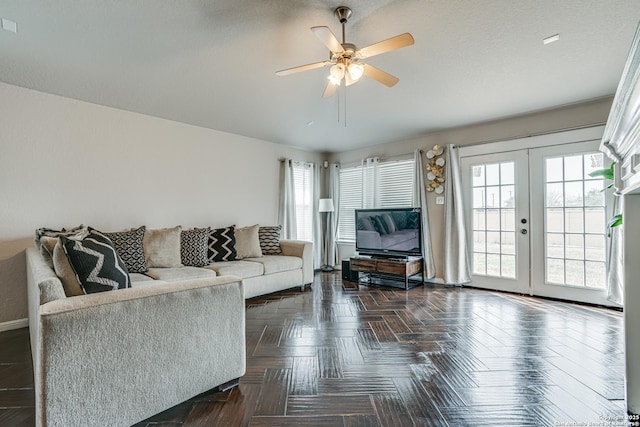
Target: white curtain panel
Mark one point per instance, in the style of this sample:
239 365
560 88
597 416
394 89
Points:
615 259
318 237
332 227
287 205
456 269
420 200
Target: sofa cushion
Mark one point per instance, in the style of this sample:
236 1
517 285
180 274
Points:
242 269
248 242
128 244
139 277
179 273
193 246
277 263
270 240
96 262
146 283
162 247
222 244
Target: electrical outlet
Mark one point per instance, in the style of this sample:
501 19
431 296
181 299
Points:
440 200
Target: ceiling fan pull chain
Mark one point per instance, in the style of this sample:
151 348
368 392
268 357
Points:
345 106
338 103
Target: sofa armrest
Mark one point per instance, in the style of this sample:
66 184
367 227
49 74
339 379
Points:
139 350
303 250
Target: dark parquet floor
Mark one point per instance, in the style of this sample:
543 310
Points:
346 355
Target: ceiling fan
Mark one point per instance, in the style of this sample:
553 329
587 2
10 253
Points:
346 60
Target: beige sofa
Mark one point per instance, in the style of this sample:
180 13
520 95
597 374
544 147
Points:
116 358
261 276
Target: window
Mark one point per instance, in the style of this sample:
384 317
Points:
373 184
303 182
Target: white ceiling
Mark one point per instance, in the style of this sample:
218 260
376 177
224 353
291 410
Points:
211 62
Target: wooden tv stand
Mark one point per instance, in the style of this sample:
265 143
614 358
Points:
386 271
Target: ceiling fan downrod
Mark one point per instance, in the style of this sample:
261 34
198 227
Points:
343 13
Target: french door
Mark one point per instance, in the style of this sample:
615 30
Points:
498 219
537 221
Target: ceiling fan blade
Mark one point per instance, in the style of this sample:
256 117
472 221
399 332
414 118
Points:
330 90
379 75
302 68
328 39
397 42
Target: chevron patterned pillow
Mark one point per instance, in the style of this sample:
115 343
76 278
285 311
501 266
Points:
270 239
128 245
222 244
193 246
96 263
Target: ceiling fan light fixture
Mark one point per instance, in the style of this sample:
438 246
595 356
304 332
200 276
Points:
356 70
337 71
333 80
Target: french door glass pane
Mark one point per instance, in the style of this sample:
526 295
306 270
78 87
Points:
574 221
494 219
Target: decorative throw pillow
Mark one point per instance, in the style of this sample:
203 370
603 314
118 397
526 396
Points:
412 220
377 225
222 244
162 247
248 242
400 219
388 220
383 224
128 244
50 232
365 224
51 236
47 245
270 240
65 272
193 246
96 263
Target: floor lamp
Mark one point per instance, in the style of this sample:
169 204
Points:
326 205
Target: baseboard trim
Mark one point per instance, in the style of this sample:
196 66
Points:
14 324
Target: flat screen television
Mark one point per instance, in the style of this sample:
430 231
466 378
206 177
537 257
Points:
392 232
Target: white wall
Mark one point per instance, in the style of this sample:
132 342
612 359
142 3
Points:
64 162
574 116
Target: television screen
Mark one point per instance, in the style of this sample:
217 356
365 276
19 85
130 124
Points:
389 232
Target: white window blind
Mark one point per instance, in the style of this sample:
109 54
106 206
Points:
374 184
350 200
395 184
303 182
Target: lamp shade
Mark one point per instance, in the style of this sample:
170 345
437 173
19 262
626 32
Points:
325 205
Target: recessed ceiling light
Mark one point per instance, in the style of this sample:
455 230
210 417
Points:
551 39
9 25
